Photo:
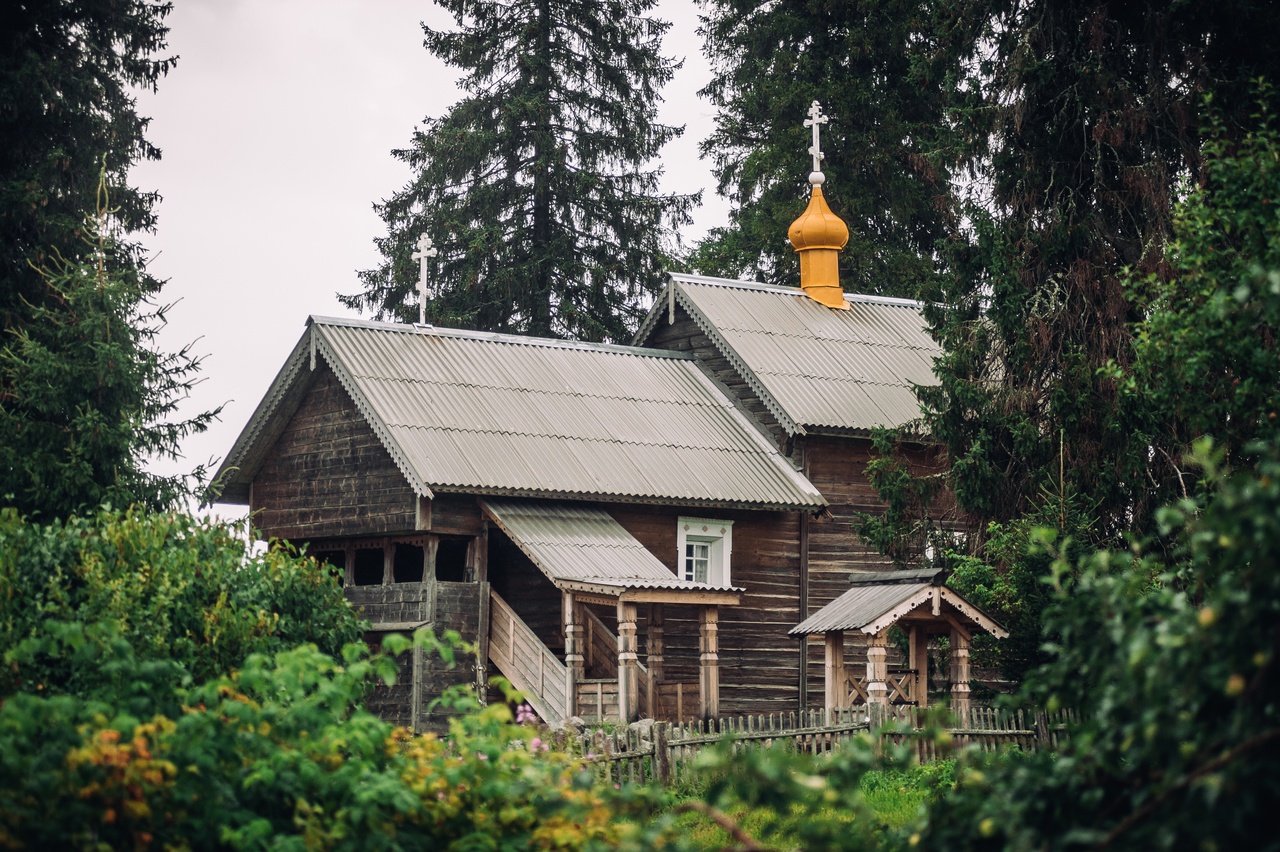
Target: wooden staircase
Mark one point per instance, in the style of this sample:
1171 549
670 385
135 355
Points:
545 680
531 666
672 701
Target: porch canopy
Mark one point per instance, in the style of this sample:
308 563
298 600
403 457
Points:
920 603
592 558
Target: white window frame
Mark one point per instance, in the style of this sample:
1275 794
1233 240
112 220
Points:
719 535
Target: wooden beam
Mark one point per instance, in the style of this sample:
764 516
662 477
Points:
430 547
956 626
628 683
654 648
681 596
960 676
878 670
919 660
804 599
573 637
609 595
709 662
836 694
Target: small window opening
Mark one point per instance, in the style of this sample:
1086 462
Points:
451 560
409 560
369 567
335 561
704 549
697 559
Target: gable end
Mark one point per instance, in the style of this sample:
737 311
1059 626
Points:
328 473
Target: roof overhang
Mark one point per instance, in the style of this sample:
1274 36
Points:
583 550
871 608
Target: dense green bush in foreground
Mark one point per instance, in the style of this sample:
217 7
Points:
175 589
275 757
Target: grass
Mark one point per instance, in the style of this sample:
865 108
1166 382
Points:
894 796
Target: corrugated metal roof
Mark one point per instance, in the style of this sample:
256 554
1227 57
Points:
583 545
813 366
858 607
519 416
879 599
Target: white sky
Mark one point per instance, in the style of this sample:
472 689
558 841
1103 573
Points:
276 128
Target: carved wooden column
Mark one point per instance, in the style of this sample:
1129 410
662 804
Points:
573 659
960 675
837 693
653 656
709 662
628 682
878 670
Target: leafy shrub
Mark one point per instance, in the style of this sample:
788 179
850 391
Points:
275 756
174 588
1177 681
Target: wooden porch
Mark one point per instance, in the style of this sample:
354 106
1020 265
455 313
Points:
624 685
917 602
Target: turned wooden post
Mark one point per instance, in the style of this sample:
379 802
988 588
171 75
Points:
960 676
878 670
709 662
628 685
653 656
573 659
837 692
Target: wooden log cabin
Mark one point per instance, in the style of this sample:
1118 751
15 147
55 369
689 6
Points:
622 531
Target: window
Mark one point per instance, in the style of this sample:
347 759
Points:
704 547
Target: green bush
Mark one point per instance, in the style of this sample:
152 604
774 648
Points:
1177 680
280 756
176 589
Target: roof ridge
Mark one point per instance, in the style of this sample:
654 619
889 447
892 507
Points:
709 402
498 337
611 440
738 284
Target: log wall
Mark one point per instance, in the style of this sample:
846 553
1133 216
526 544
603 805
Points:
759 663
329 475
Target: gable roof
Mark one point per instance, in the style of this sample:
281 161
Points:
815 369
879 599
485 413
583 548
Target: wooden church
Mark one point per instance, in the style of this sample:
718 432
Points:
622 531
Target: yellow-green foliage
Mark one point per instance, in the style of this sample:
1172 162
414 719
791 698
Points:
276 757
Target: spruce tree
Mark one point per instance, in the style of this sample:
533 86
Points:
882 72
1083 124
85 397
538 188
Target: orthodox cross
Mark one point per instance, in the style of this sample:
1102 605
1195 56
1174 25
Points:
816 118
425 252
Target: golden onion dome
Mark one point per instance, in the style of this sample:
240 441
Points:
818 227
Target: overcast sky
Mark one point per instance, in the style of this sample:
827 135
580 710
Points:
276 128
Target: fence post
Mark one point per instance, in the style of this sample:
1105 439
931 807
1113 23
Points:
661 752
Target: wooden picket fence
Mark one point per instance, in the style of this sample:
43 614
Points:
664 753
985 728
